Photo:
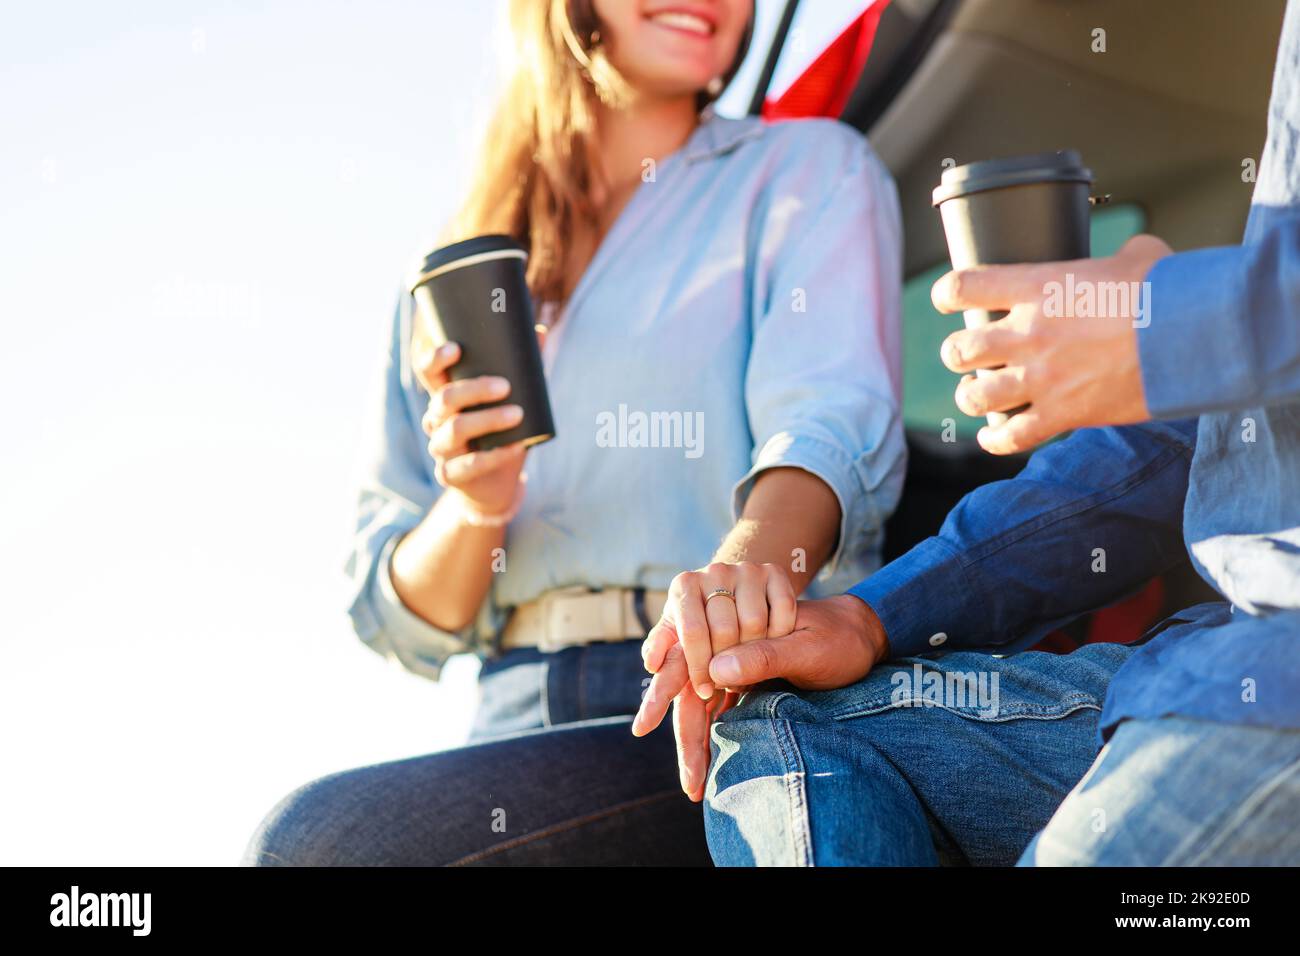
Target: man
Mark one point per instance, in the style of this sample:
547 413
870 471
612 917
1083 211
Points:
947 753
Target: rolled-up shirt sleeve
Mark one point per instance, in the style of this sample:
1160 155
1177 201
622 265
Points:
397 491
822 386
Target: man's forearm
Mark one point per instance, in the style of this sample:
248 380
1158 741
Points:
1090 519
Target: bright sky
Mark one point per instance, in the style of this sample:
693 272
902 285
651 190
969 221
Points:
205 211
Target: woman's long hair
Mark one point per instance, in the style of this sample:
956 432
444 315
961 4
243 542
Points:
535 173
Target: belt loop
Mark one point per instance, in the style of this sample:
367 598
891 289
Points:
638 605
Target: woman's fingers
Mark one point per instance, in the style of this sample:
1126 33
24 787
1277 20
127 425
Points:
430 365
464 468
750 605
696 623
450 429
686 611
724 621
454 434
668 682
661 637
760 603
691 727
782 603
453 397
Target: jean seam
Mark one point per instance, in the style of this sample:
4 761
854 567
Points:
1070 704
565 826
1233 825
795 784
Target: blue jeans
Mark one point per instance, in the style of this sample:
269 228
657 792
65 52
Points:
556 778
966 758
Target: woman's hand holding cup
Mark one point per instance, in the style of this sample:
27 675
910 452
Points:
488 482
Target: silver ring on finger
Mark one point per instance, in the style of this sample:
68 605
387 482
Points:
720 592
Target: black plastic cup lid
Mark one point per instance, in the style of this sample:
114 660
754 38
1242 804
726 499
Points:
1062 166
465 253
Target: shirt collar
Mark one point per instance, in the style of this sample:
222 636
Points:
717 135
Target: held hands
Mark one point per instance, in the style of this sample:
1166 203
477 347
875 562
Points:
695 626
759 602
1076 370
832 642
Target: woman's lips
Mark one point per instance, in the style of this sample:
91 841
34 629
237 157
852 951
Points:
680 21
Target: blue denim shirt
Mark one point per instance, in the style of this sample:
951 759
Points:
751 286
1018 558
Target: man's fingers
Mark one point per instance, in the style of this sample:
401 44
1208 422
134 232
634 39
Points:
1020 432
996 287
691 728
1001 287
996 390
758 661
986 346
670 680
661 637
1144 246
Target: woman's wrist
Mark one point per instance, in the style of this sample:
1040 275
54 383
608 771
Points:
471 513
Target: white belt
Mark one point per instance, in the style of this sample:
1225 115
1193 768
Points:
567 617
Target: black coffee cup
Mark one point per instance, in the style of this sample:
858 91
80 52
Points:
474 294
1021 209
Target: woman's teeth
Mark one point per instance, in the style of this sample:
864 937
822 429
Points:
684 21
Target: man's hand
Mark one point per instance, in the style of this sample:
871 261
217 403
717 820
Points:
1076 367
835 642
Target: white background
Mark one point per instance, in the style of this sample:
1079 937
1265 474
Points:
205 212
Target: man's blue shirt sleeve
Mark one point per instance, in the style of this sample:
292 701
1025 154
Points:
1089 520
1224 328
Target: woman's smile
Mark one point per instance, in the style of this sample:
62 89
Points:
684 22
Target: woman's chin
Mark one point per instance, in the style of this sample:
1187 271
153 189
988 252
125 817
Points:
672 86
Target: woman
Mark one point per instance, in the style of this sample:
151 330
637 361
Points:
723 364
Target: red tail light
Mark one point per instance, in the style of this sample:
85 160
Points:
824 87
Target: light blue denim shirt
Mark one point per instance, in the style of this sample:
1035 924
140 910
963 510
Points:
749 292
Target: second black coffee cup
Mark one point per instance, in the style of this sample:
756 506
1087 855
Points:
1034 208
474 293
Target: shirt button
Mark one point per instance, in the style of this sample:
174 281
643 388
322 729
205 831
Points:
937 639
